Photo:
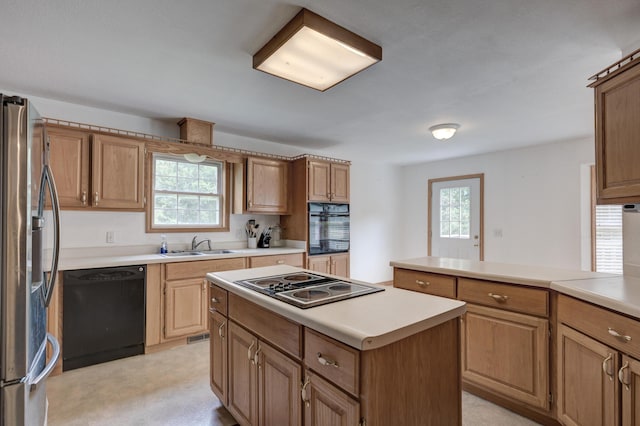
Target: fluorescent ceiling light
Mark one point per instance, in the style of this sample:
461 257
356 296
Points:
313 51
444 131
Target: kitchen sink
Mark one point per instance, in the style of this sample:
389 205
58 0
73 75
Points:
178 253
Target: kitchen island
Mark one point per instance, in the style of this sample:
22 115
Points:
391 357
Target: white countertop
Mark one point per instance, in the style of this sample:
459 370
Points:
97 260
616 292
366 322
503 272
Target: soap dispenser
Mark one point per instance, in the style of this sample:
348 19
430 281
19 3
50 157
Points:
163 244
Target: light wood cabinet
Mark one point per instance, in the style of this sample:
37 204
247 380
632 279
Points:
185 299
598 372
507 352
70 159
587 394
424 282
328 405
218 355
328 182
97 171
295 259
263 383
262 187
617 128
185 307
336 264
341 385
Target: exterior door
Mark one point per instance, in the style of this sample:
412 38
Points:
455 217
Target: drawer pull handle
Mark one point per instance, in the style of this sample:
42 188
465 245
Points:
303 393
214 300
280 262
619 336
605 367
213 311
422 283
326 361
256 357
220 332
621 375
84 198
96 199
501 298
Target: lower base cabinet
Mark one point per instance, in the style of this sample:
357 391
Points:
218 355
507 352
598 367
264 384
326 405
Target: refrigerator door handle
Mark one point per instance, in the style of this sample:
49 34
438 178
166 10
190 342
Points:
50 365
47 178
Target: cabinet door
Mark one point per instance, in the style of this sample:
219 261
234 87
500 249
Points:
629 376
508 353
340 183
243 397
321 264
587 389
117 173
340 265
617 102
185 307
279 379
319 181
326 405
267 186
218 355
69 156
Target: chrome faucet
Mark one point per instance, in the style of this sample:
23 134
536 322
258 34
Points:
195 244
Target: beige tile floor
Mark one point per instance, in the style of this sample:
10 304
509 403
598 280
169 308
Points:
172 388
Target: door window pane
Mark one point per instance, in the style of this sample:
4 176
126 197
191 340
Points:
455 212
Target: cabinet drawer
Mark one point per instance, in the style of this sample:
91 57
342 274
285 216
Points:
198 269
511 297
217 299
601 324
439 285
334 360
273 328
295 259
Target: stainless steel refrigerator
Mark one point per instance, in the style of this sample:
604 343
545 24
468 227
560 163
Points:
26 284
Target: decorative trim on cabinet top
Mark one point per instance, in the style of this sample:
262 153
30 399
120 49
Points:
145 136
628 61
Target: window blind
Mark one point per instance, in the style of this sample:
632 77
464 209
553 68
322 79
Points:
609 239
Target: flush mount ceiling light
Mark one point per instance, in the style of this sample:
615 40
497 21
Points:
444 131
313 51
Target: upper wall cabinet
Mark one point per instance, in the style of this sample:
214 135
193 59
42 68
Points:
97 171
262 187
328 182
617 131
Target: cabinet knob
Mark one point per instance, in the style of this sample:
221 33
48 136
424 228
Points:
214 300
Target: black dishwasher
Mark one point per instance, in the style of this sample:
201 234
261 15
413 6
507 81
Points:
103 315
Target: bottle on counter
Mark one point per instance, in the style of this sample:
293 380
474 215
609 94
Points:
163 244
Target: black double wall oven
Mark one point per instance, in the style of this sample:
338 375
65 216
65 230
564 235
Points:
328 228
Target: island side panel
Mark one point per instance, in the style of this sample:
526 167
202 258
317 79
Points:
415 381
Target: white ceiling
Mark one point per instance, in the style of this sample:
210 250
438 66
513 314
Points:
511 72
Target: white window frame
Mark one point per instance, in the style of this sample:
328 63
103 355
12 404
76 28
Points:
223 214
606 235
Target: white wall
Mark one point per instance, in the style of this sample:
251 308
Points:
532 195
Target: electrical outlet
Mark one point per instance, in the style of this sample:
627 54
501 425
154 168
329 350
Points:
111 237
